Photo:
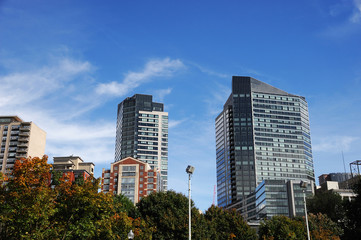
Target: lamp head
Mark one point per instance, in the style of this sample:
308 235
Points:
190 169
303 184
130 234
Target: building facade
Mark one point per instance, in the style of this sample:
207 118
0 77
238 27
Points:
19 139
132 178
262 134
74 167
272 198
336 177
142 133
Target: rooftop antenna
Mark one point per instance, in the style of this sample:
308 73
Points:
344 167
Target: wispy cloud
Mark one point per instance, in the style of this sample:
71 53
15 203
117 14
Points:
25 87
154 68
52 96
217 98
174 123
161 93
209 71
356 15
351 14
333 144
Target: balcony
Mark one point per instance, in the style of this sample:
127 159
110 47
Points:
20 155
12 144
23 144
11 161
14 132
25 128
24 134
12 154
23 139
22 150
12 149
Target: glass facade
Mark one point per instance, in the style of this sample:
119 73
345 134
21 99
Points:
262 134
282 137
142 133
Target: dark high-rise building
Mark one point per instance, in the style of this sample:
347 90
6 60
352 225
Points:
262 134
142 133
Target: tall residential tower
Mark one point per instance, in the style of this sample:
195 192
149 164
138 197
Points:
142 133
262 134
19 140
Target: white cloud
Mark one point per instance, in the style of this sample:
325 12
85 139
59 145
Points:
333 144
52 97
351 23
25 87
174 123
161 93
154 68
209 71
356 16
217 98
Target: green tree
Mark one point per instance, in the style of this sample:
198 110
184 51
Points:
327 202
167 213
353 210
27 203
282 228
227 224
123 204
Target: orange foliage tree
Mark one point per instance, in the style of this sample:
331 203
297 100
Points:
32 208
27 203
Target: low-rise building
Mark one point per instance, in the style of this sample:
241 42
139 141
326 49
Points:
335 177
130 177
74 167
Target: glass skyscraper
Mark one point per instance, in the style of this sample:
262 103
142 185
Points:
142 133
262 134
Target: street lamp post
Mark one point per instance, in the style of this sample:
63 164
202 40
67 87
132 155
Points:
189 170
303 185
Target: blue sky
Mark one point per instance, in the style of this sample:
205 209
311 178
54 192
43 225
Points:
65 65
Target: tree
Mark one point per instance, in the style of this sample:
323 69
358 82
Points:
167 213
82 212
353 210
31 207
327 202
227 224
322 227
124 204
27 203
282 228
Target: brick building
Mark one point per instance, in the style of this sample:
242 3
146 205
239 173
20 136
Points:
130 177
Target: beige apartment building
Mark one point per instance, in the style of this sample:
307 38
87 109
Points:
19 139
72 163
74 167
